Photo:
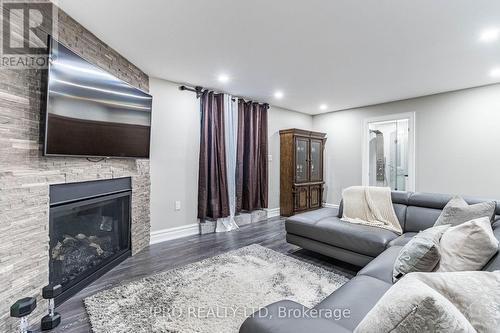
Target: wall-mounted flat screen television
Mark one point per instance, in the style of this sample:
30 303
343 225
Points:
91 112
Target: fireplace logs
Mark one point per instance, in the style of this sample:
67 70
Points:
75 255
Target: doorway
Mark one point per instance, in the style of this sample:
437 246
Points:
388 152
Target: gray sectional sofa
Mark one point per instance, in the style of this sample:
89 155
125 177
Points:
372 248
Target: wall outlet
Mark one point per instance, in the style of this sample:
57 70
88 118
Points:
270 158
177 205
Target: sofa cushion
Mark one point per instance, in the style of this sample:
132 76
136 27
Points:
439 201
420 218
315 215
473 201
431 204
468 246
437 302
367 240
457 211
402 240
421 254
429 200
400 211
400 197
351 257
381 267
359 295
494 263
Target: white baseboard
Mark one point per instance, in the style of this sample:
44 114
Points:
174 233
329 205
272 212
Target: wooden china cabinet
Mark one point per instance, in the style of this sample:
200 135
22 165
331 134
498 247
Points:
301 174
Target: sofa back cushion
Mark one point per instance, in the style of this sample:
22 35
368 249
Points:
424 209
420 218
494 263
417 211
400 211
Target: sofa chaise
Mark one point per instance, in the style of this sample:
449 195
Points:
372 248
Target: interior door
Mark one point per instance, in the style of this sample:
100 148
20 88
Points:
301 160
301 198
388 154
316 160
315 196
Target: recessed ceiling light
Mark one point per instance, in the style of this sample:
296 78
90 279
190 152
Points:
278 94
495 72
223 78
489 35
323 107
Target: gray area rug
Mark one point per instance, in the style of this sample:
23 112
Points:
214 295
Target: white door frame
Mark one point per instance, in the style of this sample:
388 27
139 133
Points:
411 146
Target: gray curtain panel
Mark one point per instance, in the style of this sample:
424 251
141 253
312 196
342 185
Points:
251 157
231 130
213 200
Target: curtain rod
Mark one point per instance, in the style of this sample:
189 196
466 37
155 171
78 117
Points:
199 90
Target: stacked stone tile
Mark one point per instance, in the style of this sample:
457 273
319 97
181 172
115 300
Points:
25 174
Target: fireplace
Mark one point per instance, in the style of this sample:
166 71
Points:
89 231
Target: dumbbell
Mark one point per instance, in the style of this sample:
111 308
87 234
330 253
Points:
21 309
53 319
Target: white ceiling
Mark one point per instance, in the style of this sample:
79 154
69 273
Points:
344 53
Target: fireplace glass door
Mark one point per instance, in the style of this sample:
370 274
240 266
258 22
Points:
87 235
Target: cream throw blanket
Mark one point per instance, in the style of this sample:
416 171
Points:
370 206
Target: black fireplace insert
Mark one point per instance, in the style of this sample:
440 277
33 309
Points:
89 231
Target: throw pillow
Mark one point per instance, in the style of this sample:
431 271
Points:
458 211
438 303
420 254
468 246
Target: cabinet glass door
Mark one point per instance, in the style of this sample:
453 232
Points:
301 160
316 161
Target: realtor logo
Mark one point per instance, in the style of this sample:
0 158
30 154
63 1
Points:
25 29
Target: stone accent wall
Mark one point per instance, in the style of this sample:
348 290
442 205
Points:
25 174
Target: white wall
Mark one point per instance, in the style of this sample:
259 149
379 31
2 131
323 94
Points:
281 119
175 149
175 142
457 142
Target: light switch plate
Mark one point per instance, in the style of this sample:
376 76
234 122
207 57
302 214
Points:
177 205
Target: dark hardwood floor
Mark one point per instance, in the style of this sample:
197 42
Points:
164 256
